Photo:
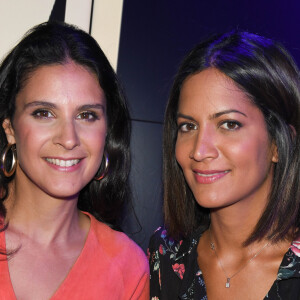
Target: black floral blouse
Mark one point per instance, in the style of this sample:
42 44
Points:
174 271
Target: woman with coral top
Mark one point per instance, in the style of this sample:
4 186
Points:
64 169
231 175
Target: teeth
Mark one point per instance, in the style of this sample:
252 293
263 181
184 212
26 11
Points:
62 163
209 175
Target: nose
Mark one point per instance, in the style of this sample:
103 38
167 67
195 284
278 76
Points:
204 147
67 135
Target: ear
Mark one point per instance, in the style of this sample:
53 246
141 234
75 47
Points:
9 131
274 152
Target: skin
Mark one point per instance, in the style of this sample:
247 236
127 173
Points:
60 114
227 159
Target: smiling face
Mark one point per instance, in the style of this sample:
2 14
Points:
222 144
59 128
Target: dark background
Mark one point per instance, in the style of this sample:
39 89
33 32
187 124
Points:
155 35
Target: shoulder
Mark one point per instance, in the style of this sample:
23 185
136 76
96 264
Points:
162 242
125 258
166 267
113 264
164 254
119 246
287 284
167 253
290 265
295 247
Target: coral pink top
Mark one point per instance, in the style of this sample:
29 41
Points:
110 266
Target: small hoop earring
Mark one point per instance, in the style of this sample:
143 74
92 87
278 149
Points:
106 167
13 167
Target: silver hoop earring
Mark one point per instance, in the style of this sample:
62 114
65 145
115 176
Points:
106 167
13 167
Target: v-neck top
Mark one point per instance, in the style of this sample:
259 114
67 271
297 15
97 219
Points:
175 274
110 266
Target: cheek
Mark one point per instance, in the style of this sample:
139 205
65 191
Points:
253 153
179 154
95 142
182 155
184 149
29 137
94 136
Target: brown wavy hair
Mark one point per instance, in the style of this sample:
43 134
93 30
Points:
56 43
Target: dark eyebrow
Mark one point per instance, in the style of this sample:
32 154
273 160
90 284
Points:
92 106
179 115
214 116
224 112
53 106
40 103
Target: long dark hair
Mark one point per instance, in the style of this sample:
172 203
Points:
57 43
267 74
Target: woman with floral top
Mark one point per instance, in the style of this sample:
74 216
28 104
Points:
231 175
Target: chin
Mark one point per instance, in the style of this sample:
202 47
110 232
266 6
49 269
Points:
63 193
64 186
213 202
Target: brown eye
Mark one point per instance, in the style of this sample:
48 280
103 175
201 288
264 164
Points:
186 127
85 115
88 116
231 125
42 114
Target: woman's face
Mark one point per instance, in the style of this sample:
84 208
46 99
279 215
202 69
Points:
222 143
59 128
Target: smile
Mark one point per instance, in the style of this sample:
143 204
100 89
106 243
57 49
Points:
207 177
212 174
63 163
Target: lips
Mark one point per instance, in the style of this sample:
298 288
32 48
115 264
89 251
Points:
209 176
62 162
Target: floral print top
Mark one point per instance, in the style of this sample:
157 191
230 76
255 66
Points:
174 271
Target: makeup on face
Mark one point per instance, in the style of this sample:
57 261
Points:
222 143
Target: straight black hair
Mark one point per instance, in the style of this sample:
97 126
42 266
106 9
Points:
267 74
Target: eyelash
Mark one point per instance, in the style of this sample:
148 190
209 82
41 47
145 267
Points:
182 125
237 125
91 116
40 111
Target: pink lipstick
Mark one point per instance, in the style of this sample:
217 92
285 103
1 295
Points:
209 176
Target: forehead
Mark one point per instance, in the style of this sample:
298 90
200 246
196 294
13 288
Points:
62 71
211 89
61 83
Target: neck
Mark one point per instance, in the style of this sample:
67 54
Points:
231 226
42 217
